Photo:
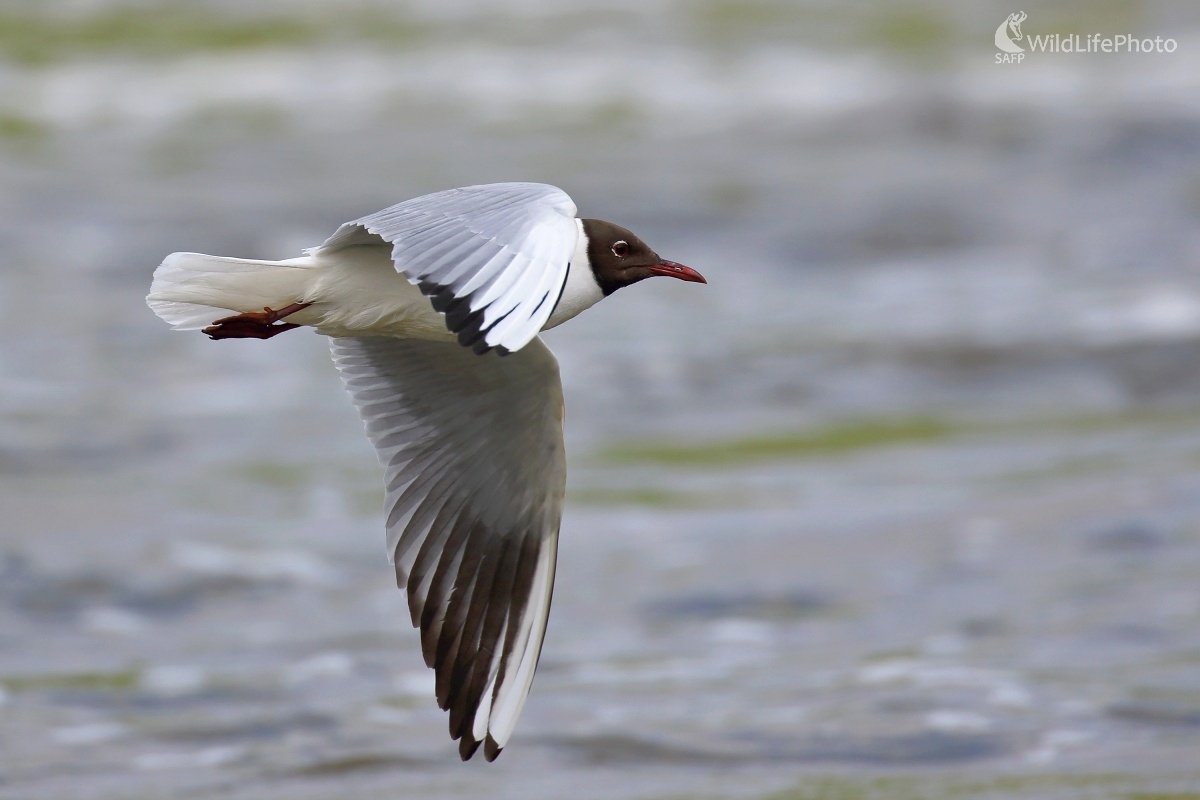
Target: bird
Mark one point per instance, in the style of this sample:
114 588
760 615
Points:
433 308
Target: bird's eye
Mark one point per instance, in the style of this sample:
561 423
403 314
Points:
620 249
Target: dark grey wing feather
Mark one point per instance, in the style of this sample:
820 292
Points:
475 475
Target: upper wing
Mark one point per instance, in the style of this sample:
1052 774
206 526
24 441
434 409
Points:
475 475
492 258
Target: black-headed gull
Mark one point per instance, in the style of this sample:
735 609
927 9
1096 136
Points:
416 297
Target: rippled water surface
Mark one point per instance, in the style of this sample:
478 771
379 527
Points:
903 504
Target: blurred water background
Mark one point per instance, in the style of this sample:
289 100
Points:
903 504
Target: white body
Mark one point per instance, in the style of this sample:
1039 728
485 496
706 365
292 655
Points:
355 291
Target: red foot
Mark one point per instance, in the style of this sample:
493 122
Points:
254 324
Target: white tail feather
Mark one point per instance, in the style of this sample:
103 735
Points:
190 290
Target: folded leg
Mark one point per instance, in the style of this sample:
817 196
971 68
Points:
254 324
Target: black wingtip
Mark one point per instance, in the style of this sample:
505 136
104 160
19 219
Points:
467 747
491 749
465 324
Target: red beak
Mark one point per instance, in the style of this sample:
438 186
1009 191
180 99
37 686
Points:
673 270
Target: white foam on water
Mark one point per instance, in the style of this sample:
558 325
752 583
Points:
293 564
208 757
88 734
173 680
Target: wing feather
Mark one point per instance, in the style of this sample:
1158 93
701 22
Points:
485 255
475 475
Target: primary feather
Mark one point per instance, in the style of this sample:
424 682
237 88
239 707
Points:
475 476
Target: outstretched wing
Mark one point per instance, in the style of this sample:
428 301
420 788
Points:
492 258
475 475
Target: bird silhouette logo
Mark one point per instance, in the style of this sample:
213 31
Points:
1006 42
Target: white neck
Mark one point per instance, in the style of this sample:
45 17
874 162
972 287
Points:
581 291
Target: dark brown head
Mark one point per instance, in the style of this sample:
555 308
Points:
619 258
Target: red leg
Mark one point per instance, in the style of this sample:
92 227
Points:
254 324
